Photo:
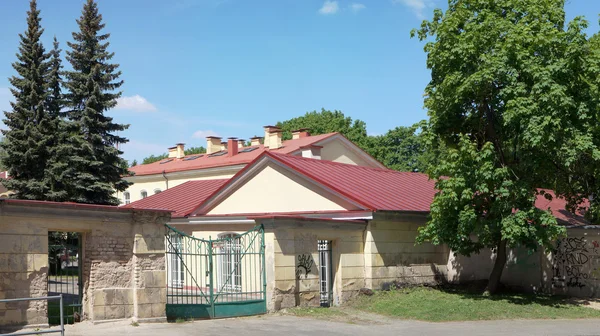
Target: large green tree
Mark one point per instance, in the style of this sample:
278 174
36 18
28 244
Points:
399 149
28 138
326 122
95 167
511 97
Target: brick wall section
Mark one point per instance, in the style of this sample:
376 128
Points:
123 261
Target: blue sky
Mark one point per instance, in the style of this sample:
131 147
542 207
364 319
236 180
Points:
198 67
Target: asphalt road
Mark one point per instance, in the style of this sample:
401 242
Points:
291 326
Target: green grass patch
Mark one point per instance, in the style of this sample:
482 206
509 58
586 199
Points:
451 304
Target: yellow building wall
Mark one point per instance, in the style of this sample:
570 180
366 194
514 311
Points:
296 265
336 151
392 255
274 189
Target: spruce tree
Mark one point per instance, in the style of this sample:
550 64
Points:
95 167
59 145
26 153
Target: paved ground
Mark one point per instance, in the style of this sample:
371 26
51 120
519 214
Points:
292 326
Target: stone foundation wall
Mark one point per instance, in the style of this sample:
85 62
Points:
123 260
391 254
292 251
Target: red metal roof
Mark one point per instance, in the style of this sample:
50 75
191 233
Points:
3 174
205 161
374 188
181 199
72 205
558 206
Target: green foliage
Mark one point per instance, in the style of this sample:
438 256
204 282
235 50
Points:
94 169
31 125
154 158
327 122
399 149
188 151
514 96
195 150
134 163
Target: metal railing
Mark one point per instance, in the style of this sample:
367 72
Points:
37 332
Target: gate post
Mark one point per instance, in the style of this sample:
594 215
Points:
210 278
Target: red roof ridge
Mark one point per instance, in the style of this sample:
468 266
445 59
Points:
387 170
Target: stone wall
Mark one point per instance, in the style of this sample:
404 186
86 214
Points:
391 254
123 259
293 279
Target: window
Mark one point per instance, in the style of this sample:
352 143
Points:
175 260
156 191
230 257
144 194
126 197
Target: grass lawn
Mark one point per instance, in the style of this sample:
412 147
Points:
433 304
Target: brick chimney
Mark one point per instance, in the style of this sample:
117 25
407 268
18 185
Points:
180 150
273 137
172 152
300 133
232 146
241 143
224 146
213 144
255 141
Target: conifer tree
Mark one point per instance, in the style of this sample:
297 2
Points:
59 145
25 140
95 167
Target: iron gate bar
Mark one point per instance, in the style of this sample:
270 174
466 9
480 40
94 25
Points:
235 294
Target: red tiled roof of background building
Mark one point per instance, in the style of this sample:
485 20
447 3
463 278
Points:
374 188
3 174
558 206
206 161
181 199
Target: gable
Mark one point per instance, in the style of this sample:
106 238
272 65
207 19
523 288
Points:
274 189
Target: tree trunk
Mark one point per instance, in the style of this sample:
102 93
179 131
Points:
499 264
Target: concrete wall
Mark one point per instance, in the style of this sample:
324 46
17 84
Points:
391 254
123 254
571 268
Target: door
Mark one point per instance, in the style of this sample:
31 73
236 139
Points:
325 273
64 275
230 266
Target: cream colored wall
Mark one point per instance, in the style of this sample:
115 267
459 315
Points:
123 262
571 268
274 189
336 151
293 247
151 183
391 254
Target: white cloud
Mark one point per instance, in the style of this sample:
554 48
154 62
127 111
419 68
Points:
202 134
135 103
329 8
357 7
417 6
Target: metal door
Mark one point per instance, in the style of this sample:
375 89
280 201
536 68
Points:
325 273
64 275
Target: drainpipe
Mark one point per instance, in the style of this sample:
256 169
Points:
166 179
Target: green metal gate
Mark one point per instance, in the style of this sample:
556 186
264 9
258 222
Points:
215 278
